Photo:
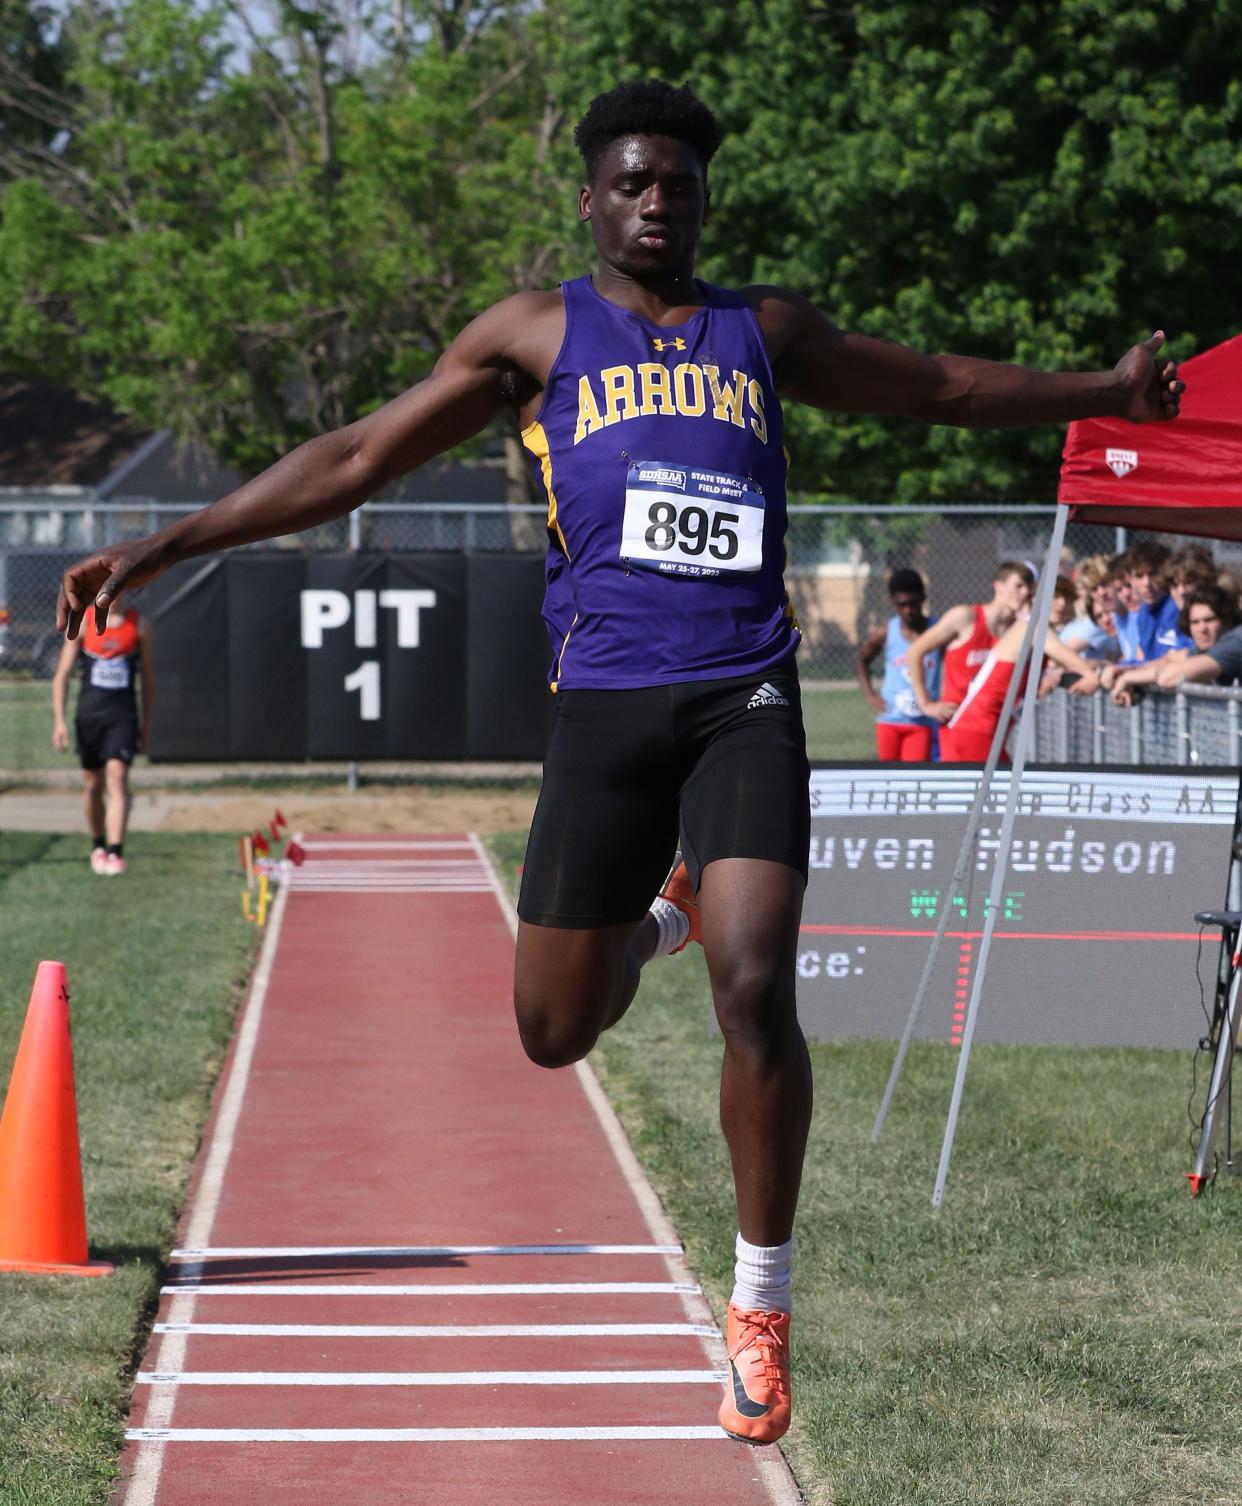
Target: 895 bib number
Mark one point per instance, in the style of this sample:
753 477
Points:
682 520
693 529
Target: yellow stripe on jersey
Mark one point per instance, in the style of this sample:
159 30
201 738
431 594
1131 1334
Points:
536 441
560 658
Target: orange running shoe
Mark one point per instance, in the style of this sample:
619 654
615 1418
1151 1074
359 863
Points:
679 891
757 1403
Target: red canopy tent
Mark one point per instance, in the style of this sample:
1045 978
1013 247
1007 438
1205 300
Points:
1180 477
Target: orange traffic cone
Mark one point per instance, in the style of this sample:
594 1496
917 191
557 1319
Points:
42 1215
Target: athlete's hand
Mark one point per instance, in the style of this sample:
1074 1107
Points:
100 578
60 737
876 702
1149 388
941 710
1085 684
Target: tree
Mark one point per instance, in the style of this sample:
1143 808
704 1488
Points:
1037 180
259 231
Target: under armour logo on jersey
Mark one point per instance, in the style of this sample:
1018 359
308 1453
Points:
676 343
766 695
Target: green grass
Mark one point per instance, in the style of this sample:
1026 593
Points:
156 964
1065 1332
839 724
26 726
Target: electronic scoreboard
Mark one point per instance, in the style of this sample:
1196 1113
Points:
1095 943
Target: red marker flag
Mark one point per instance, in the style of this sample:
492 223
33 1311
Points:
279 820
296 854
261 843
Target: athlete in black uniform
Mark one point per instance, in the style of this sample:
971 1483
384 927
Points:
108 728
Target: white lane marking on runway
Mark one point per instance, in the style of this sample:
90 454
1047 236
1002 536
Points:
770 1463
426 1435
439 1330
145 1481
430 1378
336 886
429 1289
366 1252
368 845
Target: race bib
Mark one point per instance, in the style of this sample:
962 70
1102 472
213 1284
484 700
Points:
684 520
110 674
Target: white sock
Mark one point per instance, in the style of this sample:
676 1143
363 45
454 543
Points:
763 1277
672 926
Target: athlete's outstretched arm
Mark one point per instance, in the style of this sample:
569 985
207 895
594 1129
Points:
817 363
323 478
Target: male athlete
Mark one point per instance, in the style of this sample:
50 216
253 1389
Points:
967 634
902 733
651 405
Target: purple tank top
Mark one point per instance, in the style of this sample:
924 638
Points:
658 449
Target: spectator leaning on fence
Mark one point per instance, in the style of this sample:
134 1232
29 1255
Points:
902 735
1191 567
1149 630
1206 613
1064 603
1093 632
1220 661
966 634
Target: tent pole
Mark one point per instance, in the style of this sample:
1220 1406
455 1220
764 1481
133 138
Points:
1022 739
982 790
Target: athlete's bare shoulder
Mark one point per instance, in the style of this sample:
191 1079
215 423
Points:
784 317
520 333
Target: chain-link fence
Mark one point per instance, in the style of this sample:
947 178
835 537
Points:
838 563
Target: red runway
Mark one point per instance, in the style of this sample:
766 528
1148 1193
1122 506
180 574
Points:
414 1267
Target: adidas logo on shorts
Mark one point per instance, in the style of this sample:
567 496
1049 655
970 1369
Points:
766 695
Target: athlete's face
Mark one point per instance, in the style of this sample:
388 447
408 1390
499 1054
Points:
909 607
646 203
1014 593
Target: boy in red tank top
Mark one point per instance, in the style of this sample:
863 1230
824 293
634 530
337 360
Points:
966 634
974 722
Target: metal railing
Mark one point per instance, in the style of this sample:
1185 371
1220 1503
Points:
1195 725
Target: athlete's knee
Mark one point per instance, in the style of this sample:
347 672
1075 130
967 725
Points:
552 1036
556 1046
755 1003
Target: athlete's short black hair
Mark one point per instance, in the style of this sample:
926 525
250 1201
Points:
651 107
906 580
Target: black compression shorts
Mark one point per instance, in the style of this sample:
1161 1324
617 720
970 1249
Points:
103 737
723 760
